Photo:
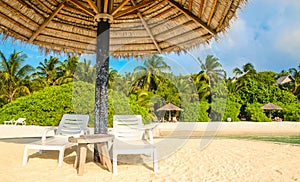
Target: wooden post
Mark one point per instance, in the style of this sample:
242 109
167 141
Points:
102 75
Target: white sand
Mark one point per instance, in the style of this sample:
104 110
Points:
220 160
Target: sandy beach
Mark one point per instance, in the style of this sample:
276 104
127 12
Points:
190 160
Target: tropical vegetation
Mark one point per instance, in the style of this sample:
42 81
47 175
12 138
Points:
55 87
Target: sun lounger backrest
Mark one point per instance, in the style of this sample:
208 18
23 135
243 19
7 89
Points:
72 124
20 121
126 127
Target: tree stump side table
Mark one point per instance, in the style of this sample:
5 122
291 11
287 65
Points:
101 141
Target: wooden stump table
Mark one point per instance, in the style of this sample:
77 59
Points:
101 141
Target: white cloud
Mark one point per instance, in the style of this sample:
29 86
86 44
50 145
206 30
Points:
289 42
236 37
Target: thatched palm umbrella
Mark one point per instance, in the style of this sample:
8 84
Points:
269 107
115 27
169 107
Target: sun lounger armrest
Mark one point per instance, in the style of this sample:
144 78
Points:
46 132
148 131
85 132
150 126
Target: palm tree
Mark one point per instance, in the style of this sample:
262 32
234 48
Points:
47 71
14 77
295 72
86 72
67 69
213 68
237 72
247 68
148 76
201 81
113 74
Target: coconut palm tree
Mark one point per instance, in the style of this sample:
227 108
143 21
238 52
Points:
149 75
47 71
67 69
237 71
295 72
113 74
14 76
86 72
213 68
247 68
201 81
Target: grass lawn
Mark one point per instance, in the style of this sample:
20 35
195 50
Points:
293 139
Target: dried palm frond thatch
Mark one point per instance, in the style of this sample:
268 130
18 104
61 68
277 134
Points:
138 27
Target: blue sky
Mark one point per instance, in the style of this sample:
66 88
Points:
266 33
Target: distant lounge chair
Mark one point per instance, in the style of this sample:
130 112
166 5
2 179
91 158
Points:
70 125
129 134
9 122
16 122
174 120
20 121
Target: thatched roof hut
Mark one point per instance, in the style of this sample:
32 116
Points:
138 27
169 107
284 79
271 106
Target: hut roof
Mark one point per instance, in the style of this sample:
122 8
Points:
284 79
138 28
169 107
271 106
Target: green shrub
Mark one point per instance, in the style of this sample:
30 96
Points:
43 108
218 107
256 113
232 110
83 99
291 112
196 112
120 104
46 107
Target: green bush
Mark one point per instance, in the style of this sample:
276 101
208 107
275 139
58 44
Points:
83 99
291 112
43 108
256 113
120 104
46 107
232 110
218 107
196 112
203 114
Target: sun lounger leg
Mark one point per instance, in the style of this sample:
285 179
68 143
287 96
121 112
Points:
61 156
150 136
115 162
25 156
155 166
76 163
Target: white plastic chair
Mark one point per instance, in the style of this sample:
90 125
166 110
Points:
20 121
70 125
9 122
129 134
15 122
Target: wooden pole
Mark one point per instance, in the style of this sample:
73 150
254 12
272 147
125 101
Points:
102 75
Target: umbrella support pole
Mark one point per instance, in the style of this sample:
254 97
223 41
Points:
102 75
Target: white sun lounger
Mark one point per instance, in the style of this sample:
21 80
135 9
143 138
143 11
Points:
70 125
129 134
16 122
